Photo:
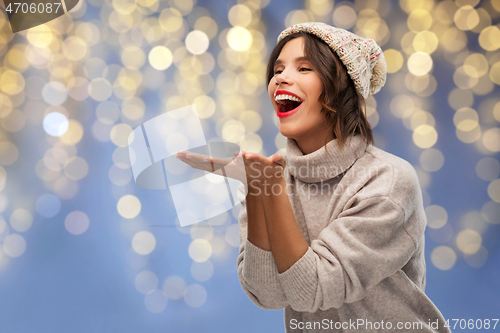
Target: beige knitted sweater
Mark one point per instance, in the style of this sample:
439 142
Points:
361 212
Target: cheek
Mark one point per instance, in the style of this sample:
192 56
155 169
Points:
270 90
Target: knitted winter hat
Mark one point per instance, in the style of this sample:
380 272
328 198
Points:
363 58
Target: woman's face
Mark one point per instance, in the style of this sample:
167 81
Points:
297 79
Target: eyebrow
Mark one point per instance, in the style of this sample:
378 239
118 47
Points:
279 62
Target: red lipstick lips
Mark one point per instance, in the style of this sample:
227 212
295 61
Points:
287 113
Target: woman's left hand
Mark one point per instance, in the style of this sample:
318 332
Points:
268 170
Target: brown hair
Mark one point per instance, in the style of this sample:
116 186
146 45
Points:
342 103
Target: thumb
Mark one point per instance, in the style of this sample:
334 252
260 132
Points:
279 159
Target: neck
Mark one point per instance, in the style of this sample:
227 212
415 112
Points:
311 143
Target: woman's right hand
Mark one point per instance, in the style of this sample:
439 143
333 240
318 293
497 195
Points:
232 167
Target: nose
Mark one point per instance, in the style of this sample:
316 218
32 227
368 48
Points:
282 78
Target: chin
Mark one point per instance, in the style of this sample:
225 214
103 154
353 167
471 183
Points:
288 132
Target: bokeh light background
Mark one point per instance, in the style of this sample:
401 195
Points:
83 249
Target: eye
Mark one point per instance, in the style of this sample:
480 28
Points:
304 68
276 72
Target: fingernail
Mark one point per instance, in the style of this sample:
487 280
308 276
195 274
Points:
189 156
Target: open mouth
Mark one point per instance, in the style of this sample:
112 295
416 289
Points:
287 105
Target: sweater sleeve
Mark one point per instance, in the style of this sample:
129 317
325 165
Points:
257 270
365 244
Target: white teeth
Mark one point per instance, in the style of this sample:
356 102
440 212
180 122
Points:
283 97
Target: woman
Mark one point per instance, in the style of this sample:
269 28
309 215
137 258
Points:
334 234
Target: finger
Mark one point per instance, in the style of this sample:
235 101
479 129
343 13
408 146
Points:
279 159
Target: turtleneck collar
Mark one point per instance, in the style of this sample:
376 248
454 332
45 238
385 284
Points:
321 164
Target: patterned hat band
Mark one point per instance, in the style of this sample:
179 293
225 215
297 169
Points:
363 58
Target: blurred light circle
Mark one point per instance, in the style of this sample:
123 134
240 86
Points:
48 205
419 20
121 158
251 120
78 88
466 18
21 220
431 160
476 65
76 222
55 93
495 73
471 135
466 119
474 220
200 250
219 245
425 41
197 42
239 39
205 106
459 98
424 177
232 235
469 241
195 295
233 131
494 190
202 271
133 57
419 117
401 106
394 60
170 19
419 63
11 82
425 136
120 177
14 245
4 227
65 188
160 58
74 48
174 287
436 216
155 301
107 112
202 231
119 134
477 259
298 16
55 124
491 212
14 121
491 139
133 108
488 168
146 281
443 257
489 38
463 80
344 17
3 178
100 89
239 15
74 133
143 242
76 168
129 206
